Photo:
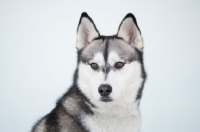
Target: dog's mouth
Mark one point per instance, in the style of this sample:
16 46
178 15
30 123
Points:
106 99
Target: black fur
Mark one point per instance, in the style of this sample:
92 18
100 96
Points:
144 75
134 20
84 14
52 119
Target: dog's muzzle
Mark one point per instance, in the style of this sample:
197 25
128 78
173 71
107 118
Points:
104 91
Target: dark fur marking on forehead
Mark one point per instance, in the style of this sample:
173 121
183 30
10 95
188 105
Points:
107 44
106 51
102 46
106 39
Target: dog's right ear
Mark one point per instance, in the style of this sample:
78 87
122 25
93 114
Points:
86 31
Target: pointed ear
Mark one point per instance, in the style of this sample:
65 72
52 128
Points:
130 32
86 31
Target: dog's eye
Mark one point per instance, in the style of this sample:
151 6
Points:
94 66
119 65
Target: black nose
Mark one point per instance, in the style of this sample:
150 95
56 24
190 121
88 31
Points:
105 90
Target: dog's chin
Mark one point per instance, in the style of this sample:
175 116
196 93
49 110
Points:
106 99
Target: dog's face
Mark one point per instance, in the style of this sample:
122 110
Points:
110 67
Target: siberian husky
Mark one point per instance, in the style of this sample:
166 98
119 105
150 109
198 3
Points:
108 82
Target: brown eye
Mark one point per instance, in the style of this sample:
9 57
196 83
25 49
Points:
94 66
119 65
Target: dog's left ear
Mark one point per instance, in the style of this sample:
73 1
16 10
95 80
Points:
130 32
86 31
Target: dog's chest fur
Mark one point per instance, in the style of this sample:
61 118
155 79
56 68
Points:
114 120
107 85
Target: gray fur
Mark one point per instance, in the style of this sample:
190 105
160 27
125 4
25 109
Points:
74 112
67 114
125 51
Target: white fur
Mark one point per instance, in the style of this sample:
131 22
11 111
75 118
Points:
122 114
122 118
89 80
124 81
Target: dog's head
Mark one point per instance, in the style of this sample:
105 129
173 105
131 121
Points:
110 68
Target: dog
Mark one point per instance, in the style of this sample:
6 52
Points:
107 85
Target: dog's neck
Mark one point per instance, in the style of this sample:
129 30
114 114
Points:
114 118
120 109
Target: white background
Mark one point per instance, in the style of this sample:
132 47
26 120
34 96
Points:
38 58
